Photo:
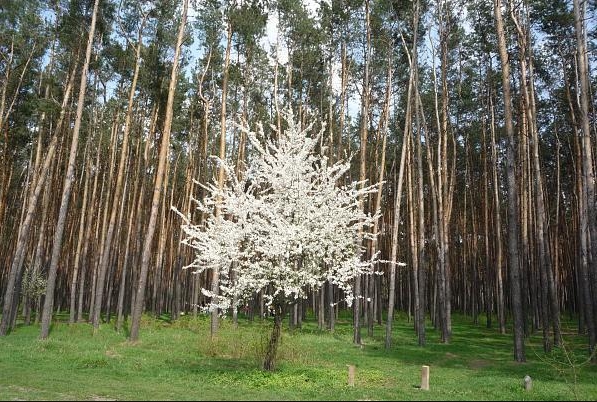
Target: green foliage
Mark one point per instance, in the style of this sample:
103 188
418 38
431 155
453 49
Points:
178 361
23 38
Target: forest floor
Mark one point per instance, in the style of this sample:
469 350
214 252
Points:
178 361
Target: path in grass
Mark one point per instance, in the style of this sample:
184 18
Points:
177 361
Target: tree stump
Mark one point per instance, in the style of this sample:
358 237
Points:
351 375
528 383
425 378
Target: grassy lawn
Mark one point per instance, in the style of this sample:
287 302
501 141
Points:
178 361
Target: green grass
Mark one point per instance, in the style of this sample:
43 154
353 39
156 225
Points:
178 361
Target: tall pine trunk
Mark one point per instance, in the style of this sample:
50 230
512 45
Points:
588 212
106 252
362 170
215 276
159 180
513 218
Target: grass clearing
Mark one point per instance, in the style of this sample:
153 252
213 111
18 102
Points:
178 361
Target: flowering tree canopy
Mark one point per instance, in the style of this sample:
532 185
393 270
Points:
285 227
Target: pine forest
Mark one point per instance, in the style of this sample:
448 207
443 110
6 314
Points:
358 164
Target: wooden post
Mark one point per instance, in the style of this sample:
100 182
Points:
425 378
351 375
528 383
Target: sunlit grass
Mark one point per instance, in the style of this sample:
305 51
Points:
179 361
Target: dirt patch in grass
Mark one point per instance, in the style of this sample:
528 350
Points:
112 353
18 389
479 364
100 398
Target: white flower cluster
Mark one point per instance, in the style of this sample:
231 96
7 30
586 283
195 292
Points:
285 227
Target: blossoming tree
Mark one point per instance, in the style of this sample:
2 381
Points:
284 228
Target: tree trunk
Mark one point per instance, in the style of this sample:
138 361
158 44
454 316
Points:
81 238
68 182
157 190
395 230
362 171
269 362
588 213
513 219
105 253
321 308
498 228
215 278
332 308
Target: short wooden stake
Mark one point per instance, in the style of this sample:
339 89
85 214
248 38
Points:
528 383
351 375
425 378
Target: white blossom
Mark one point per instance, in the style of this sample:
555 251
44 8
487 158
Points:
285 227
